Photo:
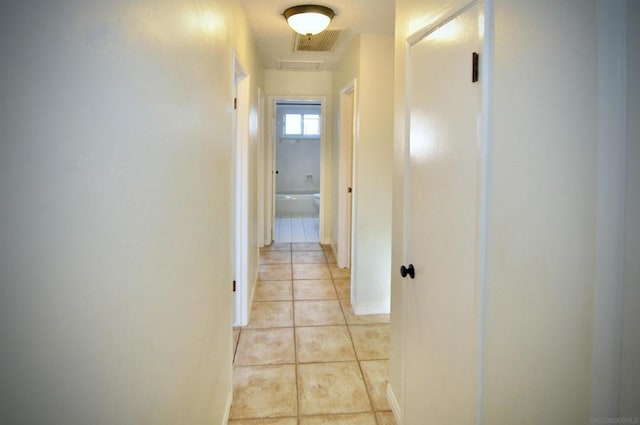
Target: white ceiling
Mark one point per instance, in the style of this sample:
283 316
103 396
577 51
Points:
274 38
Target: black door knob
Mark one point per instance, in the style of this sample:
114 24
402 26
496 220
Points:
408 270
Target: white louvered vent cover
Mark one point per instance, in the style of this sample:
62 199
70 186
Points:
323 42
296 65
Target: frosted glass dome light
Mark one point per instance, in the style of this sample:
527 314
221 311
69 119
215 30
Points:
308 19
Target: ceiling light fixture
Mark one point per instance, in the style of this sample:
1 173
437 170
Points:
308 19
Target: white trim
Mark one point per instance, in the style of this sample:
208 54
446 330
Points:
406 161
610 208
394 405
439 22
241 92
377 308
227 408
486 80
262 204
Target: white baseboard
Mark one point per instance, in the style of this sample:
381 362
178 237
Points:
378 308
395 406
227 409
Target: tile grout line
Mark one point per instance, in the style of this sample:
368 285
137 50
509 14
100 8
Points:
295 342
358 361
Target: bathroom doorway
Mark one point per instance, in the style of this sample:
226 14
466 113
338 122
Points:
297 181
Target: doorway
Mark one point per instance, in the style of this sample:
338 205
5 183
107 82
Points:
297 171
295 164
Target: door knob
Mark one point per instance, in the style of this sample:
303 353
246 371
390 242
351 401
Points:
408 270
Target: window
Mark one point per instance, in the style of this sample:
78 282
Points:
302 125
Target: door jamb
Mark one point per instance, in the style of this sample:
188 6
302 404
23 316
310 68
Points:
241 88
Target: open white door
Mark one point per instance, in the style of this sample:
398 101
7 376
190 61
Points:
345 174
441 305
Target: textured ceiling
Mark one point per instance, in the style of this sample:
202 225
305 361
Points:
274 38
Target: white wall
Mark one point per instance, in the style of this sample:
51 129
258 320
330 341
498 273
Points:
242 43
308 85
115 155
344 75
370 266
541 218
372 185
296 159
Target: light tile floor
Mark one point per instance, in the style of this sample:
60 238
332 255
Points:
305 358
297 228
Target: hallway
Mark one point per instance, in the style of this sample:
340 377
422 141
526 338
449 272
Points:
305 358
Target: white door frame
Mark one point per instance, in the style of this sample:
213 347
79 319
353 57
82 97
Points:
262 177
346 175
270 163
241 91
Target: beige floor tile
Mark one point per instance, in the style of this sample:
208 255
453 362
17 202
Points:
362 319
274 272
339 273
273 290
343 287
328 388
271 314
314 290
357 419
371 341
311 271
275 421
275 257
386 418
264 391
318 313
376 376
330 256
323 344
308 257
306 246
265 347
277 246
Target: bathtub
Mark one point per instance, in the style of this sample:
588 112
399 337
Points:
297 204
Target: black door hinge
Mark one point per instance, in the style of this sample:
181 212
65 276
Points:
234 286
235 103
474 67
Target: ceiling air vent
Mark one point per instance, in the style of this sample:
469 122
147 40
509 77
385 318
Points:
323 42
296 65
